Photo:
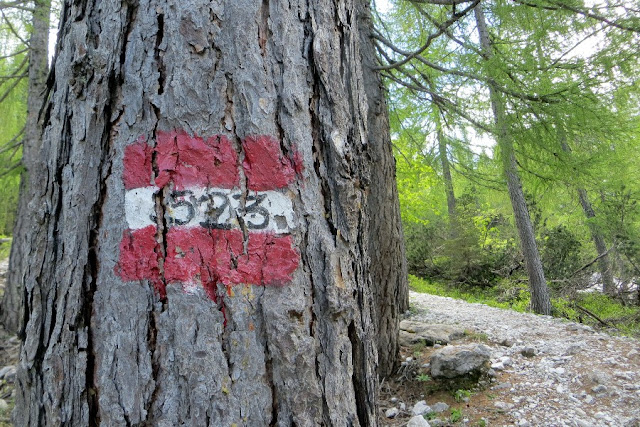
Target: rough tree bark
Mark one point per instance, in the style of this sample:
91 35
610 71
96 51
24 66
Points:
386 247
202 251
11 308
540 300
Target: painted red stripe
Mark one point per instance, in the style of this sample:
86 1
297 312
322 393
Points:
211 162
264 164
140 256
137 165
208 257
195 161
216 256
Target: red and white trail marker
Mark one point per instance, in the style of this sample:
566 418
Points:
205 213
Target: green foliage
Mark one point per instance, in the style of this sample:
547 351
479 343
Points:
476 336
461 395
456 415
560 251
423 378
5 248
13 95
569 85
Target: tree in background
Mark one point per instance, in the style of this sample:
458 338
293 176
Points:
13 86
28 141
537 76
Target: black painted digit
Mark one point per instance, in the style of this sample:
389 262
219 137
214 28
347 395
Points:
213 212
175 205
255 209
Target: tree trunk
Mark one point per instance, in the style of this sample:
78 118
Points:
11 308
386 248
608 285
201 249
540 300
446 175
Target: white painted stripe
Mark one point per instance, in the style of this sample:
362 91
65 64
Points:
214 208
140 207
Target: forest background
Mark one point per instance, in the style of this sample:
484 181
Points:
547 90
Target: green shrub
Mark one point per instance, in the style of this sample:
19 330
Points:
560 252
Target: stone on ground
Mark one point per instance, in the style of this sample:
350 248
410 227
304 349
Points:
460 361
439 407
391 413
412 332
420 408
418 421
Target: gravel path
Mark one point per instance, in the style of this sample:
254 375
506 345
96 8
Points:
578 377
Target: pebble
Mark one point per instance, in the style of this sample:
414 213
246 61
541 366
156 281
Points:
599 389
5 370
501 386
8 373
503 406
3 405
391 412
420 408
439 407
418 421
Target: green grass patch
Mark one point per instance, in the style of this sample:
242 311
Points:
5 247
487 296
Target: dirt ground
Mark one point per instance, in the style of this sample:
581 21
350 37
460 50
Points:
475 404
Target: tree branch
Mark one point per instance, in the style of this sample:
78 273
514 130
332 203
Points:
441 2
583 12
13 30
11 55
430 38
15 142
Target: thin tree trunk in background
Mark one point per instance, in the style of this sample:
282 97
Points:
446 175
604 263
201 249
540 300
11 308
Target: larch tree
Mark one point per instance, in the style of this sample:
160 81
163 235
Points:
11 309
215 233
540 298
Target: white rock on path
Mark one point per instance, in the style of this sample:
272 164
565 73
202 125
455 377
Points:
391 413
420 408
418 421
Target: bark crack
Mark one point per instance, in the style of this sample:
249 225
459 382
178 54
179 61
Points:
158 54
263 27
